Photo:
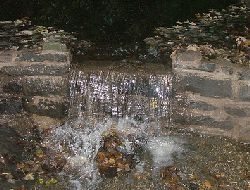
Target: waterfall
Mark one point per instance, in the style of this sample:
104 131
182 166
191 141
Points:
132 102
118 95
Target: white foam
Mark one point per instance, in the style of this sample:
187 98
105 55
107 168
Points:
162 149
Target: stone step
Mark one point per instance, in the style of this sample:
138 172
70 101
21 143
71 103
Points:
51 106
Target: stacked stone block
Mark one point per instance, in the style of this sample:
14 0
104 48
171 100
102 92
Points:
35 81
215 95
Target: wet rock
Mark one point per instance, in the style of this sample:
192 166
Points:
170 177
53 162
226 124
33 57
6 56
55 46
10 105
244 75
209 67
188 59
36 69
110 160
202 105
45 85
9 139
13 87
236 111
206 86
245 92
52 106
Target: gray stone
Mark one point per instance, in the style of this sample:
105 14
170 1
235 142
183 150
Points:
45 85
244 92
10 146
178 118
188 59
236 111
36 57
13 87
189 56
206 86
244 75
6 56
36 69
55 107
56 46
202 120
10 105
211 122
202 106
209 67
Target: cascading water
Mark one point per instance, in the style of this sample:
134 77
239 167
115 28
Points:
135 104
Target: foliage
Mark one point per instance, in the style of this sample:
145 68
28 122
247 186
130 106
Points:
95 18
215 34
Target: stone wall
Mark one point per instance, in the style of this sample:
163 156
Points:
212 96
35 82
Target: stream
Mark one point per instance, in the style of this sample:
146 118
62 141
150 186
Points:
120 135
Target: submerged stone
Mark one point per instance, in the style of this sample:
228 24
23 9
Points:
110 159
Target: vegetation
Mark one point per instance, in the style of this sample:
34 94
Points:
97 19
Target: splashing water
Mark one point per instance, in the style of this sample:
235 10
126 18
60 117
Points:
101 100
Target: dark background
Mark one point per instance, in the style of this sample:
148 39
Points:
110 20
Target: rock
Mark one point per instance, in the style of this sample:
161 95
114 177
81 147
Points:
11 105
205 86
12 86
171 178
45 85
236 111
35 57
187 60
53 162
55 46
201 105
27 32
51 106
244 93
110 160
36 69
209 67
